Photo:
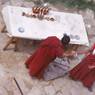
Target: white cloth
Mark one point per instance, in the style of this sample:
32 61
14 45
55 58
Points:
59 67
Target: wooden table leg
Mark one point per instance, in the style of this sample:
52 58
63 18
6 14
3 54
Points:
8 43
3 29
16 44
11 41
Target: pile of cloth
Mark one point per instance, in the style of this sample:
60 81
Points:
58 68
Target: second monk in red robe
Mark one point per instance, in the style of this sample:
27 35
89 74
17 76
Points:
85 70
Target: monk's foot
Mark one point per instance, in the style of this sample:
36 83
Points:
90 89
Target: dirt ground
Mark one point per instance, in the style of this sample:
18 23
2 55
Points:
12 63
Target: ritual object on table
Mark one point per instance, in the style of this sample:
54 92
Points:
52 19
29 15
49 18
39 12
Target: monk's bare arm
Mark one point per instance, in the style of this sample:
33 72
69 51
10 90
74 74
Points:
91 67
69 54
85 52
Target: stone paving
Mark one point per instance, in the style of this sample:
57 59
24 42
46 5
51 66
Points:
12 63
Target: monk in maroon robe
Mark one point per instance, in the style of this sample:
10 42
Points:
48 50
85 70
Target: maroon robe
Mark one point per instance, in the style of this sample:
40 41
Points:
82 72
48 50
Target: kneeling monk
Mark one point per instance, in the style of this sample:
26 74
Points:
85 70
48 50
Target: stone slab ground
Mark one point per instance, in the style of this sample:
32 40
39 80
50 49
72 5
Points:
12 63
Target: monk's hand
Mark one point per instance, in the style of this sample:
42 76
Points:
89 51
70 54
73 53
91 67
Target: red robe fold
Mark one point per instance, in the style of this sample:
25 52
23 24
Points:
48 50
83 73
